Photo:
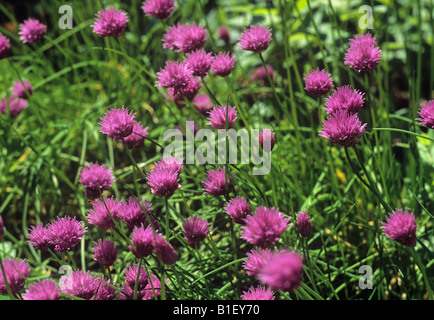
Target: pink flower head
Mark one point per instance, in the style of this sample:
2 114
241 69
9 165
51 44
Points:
344 98
223 33
117 123
363 54
135 213
22 91
16 106
171 35
164 250
203 103
216 184
401 226
426 113
38 237
95 179
256 259
4 47
264 228
175 75
152 289
105 289
343 128
170 163
163 182
102 218
218 116
190 38
131 277
258 293
267 140
110 23
159 9
79 284
189 92
318 82
283 271
137 137
195 230
42 290
238 209
303 224
65 233
31 31
260 74
105 252
16 272
255 38
223 64
143 241
199 62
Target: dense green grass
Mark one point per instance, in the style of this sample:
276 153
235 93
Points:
77 76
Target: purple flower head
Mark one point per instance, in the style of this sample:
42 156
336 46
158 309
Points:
218 116
159 9
2 229
223 33
95 179
401 226
79 284
190 38
42 290
195 230
16 272
215 183
4 47
363 54
135 212
343 128
318 82
283 271
154 285
21 91
344 98
110 23
256 259
189 92
264 228
117 123
137 137
100 217
258 293
199 62
170 163
223 64
163 181
131 277
426 113
261 74
255 38
303 224
38 237
171 35
31 31
143 241
175 75
16 105
164 250
267 140
238 209
105 252
65 233
105 291
203 103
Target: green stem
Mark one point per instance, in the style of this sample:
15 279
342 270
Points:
132 159
421 266
136 285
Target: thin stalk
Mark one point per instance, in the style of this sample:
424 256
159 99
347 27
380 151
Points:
136 285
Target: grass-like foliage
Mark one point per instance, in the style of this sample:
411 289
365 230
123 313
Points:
335 97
